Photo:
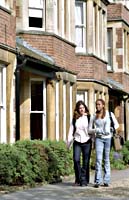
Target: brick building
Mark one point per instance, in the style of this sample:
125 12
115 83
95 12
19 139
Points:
54 52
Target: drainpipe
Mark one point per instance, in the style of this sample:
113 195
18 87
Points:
21 61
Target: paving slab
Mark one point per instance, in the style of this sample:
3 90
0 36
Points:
118 190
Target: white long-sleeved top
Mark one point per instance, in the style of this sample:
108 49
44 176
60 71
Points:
102 125
81 134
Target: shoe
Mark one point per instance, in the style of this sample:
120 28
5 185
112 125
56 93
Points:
83 185
106 185
76 184
96 185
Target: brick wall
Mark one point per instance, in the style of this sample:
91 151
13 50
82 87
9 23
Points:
119 41
117 11
7 28
121 78
62 52
91 67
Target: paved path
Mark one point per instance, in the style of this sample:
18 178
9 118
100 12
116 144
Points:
118 190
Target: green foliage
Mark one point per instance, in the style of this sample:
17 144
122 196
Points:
14 168
28 162
116 160
125 152
60 160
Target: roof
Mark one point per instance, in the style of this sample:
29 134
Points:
114 84
25 48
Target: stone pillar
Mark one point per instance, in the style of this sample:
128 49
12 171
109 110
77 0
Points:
91 100
51 16
61 17
61 109
72 21
67 106
89 37
51 110
25 107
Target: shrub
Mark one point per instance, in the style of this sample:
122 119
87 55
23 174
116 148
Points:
14 168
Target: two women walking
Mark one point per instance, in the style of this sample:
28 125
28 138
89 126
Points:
81 131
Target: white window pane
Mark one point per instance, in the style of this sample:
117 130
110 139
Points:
109 38
80 96
35 13
36 3
79 37
2 2
109 58
79 13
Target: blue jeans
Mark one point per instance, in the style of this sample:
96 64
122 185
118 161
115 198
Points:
85 149
102 146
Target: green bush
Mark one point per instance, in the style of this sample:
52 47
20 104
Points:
28 162
14 168
37 158
125 152
60 160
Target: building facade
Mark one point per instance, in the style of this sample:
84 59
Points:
55 52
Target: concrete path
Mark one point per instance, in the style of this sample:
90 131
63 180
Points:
118 190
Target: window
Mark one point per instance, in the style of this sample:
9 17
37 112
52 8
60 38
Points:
36 13
109 49
82 95
2 104
38 109
80 25
4 3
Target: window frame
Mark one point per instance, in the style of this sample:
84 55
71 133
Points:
83 26
110 48
43 15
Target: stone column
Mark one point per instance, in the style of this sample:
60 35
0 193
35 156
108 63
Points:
51 16
51 110
89 37
67 106
61 109
91 100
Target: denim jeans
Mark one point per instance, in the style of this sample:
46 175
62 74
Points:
102 146
85 149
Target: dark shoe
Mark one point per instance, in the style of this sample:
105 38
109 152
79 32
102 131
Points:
76 184
96 185
83 185
106 185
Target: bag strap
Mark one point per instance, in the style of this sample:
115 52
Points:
112 123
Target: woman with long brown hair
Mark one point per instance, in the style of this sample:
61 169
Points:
103 134
78 133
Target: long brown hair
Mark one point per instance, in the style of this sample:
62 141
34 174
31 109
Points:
104 110
76 113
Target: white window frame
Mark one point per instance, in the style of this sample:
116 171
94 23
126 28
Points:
34 6
82 25
44 130
82 95
110 48
3 131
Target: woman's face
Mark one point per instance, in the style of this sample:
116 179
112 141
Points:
99 106
81 110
